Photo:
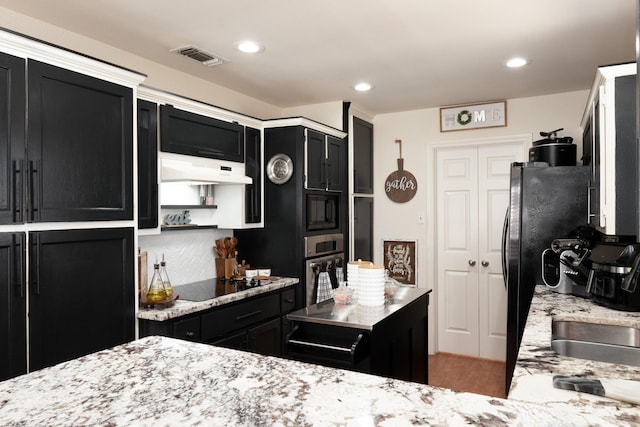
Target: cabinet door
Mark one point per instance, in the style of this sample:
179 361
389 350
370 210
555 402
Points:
237 341
336 164
80 147
363 228
13 345
183 132
253 168
362 157
147 164
12 122
266 338
315 154
81 296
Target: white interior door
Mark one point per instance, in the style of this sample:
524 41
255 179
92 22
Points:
457 199
472 195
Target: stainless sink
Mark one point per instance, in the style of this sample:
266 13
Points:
595 341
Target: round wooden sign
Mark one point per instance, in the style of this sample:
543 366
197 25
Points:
401 185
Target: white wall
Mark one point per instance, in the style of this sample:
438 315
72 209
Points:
420 128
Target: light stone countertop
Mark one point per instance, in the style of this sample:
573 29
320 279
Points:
159 381
183 307
538 363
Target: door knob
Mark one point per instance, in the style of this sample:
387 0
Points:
472 263
485 263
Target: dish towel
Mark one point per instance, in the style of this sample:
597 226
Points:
324 287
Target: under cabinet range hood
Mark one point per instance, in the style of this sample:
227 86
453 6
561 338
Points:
197 170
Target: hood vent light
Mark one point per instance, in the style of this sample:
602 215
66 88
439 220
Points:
206 58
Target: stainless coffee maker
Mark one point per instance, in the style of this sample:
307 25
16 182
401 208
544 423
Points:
562 266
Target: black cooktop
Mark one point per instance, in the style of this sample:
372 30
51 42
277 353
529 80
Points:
212 288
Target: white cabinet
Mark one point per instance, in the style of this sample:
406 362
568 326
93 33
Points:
609 136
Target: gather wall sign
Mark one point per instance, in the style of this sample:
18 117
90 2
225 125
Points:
400 186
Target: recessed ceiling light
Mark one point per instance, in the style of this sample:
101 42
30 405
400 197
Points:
517 62
362 87
249 46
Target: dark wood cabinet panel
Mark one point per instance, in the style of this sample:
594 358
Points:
315 160
325 162
336 164
363 228
362 157
13 297
183 132
147 164
80 146
12 125
256 324
266 338
253 169
81 293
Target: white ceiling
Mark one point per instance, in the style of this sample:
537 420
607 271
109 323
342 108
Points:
417 53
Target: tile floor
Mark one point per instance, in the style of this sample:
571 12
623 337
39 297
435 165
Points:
464 373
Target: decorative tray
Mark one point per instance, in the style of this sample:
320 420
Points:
166 303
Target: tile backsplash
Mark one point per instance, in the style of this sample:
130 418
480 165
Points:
189 254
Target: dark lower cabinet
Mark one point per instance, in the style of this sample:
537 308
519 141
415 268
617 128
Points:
394 347
255 324
81 293
13 297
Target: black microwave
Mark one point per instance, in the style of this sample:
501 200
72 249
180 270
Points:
322 212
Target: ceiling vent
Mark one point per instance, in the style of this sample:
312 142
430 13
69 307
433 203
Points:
206 58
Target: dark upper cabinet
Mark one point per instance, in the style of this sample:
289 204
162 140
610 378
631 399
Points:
81 293
13 297
363 157
253 169
147 164
183 132
336 164
12 125
80 147
363 228
325 162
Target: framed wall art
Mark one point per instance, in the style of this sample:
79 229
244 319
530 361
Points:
473 116
400 259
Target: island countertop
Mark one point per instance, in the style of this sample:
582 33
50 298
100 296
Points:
183 307
355 315
537 363
164 382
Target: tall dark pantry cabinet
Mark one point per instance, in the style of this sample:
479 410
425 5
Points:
67 282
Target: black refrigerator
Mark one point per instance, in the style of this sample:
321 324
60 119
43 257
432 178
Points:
546 203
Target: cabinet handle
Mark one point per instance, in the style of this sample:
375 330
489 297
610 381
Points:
18 256
189 334
34 169
17 189
289 300
246 316
472 263
210 152
485 263
36 256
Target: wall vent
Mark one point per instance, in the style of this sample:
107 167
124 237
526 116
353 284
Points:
206 58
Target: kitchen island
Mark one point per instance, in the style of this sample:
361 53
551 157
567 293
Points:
163 381
537 363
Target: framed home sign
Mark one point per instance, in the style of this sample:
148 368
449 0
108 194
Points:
473 116
400 259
